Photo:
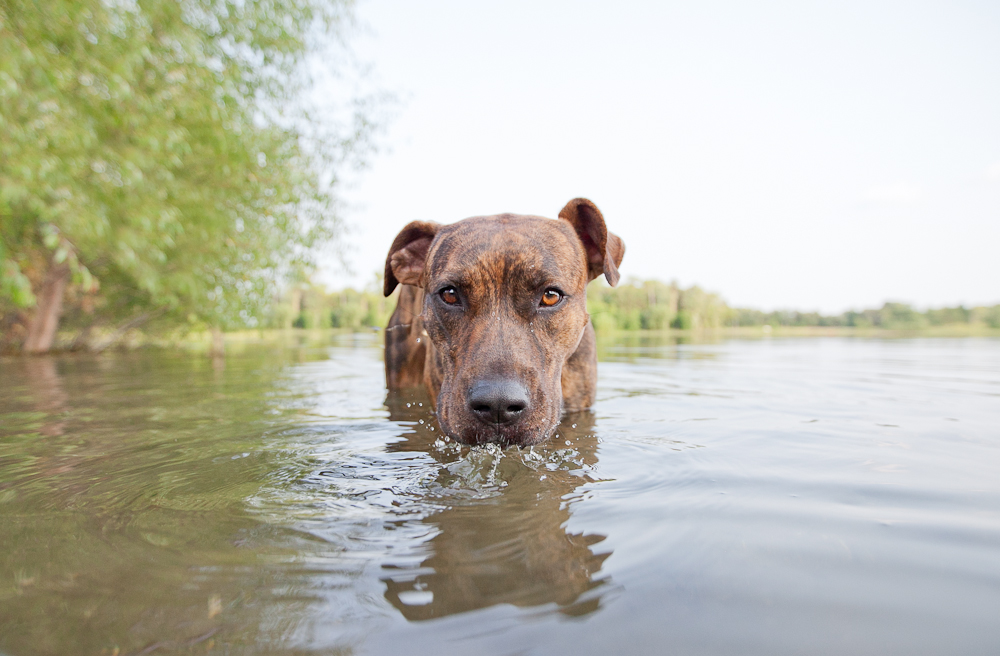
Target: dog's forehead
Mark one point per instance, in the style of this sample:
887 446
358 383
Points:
504 244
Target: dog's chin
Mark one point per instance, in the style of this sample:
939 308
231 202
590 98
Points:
471 431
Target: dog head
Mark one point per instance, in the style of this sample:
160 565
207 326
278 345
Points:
504 308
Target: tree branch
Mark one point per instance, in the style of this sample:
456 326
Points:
129 325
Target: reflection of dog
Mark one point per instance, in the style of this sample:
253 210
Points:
492 318
510 547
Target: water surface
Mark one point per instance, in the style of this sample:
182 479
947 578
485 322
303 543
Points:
783 496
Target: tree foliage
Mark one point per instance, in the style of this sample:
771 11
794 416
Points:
308 305
155 147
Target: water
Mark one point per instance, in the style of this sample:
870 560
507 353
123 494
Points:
782 496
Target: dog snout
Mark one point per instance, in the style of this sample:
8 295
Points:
498 401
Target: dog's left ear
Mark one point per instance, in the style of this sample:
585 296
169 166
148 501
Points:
405 261
605 250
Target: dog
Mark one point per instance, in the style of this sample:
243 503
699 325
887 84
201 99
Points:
492 319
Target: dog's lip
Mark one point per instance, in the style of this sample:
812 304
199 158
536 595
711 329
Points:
473 434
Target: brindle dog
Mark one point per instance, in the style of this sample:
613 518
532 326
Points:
492 318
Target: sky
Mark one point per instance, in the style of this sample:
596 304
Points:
815 156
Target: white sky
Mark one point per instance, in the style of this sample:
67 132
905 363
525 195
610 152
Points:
784 154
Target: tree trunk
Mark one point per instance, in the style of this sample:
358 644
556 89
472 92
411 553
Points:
42 327
218 343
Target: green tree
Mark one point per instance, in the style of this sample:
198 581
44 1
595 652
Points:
155 158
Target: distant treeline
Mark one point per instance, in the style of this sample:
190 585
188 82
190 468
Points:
894 316
309 305
654 305
633 305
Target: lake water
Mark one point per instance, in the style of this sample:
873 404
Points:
777 496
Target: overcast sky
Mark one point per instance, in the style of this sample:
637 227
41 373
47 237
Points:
783 154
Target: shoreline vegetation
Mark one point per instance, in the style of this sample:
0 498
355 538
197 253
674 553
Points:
239 341
647 310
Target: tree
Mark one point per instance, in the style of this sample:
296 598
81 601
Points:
154 161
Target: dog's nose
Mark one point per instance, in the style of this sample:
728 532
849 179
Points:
500 401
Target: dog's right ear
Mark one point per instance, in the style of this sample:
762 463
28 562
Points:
405 262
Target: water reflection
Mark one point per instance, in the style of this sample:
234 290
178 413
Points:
46 392
502 536
121 506
630 346
843 500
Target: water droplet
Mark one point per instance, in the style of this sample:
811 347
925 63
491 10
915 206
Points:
574 425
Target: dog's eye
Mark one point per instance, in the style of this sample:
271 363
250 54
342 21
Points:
449 295
550 298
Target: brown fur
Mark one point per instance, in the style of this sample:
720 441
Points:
500 266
